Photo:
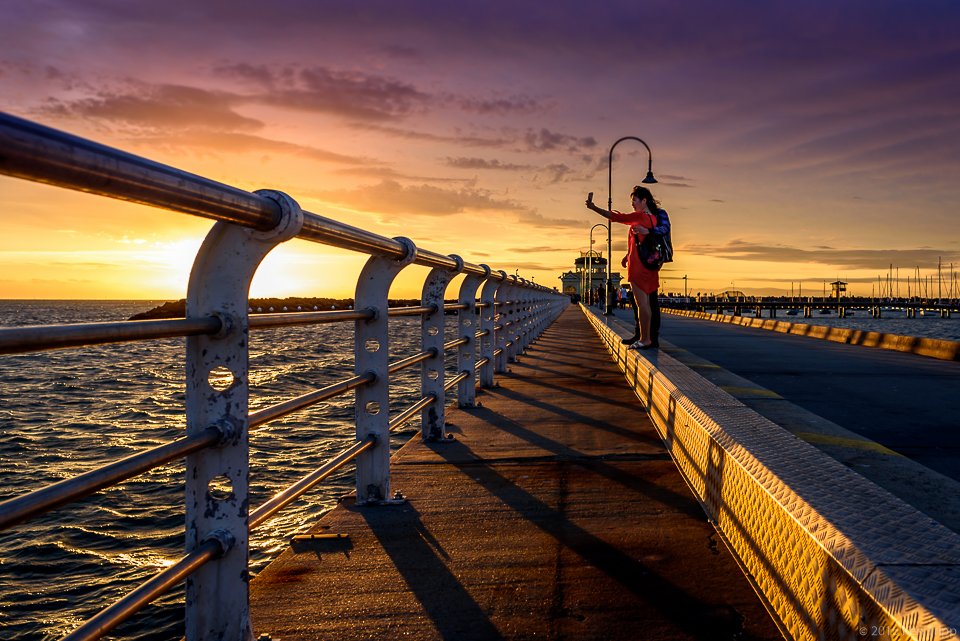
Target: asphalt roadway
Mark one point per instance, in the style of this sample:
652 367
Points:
880 402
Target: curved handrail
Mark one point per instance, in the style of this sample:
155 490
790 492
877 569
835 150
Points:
34 152
42 154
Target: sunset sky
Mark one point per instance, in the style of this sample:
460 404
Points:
794 142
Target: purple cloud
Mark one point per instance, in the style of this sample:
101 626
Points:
159 107
480 163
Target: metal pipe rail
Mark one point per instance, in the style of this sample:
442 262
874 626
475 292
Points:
41 154
413 360
28 506
156 587
309 318
411 411
108 619
272 413
456 379
301 487
456 343
20 340
497 317
267 414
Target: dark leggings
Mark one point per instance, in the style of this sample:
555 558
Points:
654 317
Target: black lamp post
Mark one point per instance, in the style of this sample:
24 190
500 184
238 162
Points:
590 256
649 180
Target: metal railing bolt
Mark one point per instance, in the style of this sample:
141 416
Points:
224 538
227 431
226 324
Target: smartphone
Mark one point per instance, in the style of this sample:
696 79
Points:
590 196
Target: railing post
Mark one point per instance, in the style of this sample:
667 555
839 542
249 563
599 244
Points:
500 316
513 311
488 316
557 305
523 316
217 390
520 316
372 354
552 304
527 315
538 308
527 298
546 305
432 421
467 353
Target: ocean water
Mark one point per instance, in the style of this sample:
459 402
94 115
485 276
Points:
892 321
65 412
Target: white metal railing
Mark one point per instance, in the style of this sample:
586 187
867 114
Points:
497 318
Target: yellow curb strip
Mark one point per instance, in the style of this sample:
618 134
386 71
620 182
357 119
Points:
749 391
823 439
944 350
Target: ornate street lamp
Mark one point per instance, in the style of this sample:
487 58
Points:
590 257
649 180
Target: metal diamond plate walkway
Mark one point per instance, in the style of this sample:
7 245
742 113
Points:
556 514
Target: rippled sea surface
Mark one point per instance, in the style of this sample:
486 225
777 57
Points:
66 412
892 321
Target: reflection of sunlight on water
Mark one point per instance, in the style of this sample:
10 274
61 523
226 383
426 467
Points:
220 378
145 559
72 411
166 373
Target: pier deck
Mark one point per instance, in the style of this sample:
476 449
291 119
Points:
556 514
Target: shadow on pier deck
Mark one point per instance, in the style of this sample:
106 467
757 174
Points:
556 514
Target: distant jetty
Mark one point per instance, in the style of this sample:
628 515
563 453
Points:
178 308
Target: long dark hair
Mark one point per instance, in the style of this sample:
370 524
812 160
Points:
643 193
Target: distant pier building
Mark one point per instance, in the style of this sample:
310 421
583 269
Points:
589 272
837 288
734 295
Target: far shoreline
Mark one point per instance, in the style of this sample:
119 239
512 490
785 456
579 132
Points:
177 309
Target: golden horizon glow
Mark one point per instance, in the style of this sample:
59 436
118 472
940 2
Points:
784 156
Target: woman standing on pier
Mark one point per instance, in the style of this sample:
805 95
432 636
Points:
643 281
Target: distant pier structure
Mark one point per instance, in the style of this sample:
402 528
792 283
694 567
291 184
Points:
838 287
589 272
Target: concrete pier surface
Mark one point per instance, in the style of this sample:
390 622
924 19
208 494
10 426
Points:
556 514
891 416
